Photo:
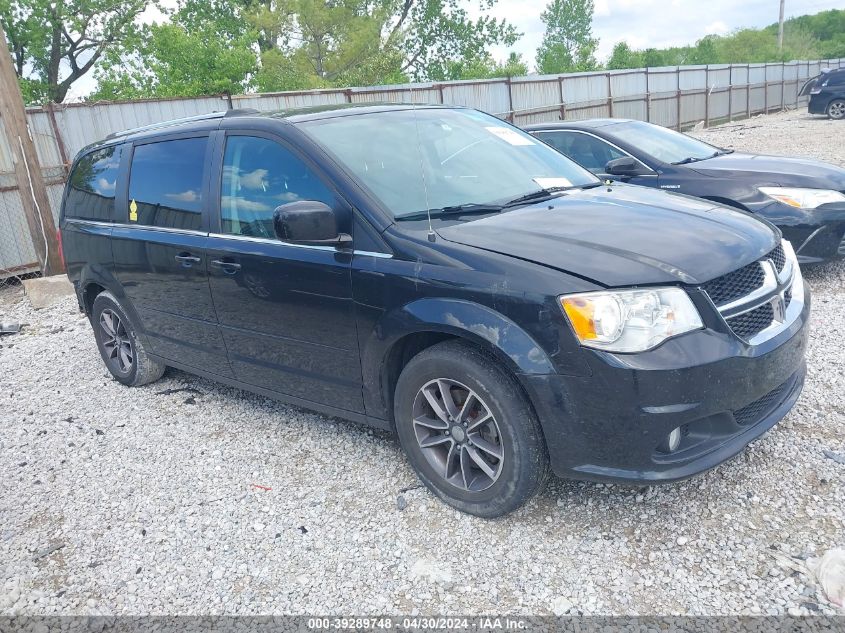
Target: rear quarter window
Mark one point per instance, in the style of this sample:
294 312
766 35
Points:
166 184
92 185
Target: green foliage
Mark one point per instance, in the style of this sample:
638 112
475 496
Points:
53 44
204 49
485 68
568 44
819 36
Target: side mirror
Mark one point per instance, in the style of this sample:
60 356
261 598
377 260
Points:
308 222
625 166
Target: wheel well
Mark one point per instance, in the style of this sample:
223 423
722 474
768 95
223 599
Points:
400 354
407 347
89 294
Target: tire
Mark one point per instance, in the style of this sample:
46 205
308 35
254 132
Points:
836 109
127 360
444 451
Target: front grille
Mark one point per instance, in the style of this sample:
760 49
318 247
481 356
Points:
751 413
744 281
778 257
735 285
748 324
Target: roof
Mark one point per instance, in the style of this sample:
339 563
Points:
587 124
293 115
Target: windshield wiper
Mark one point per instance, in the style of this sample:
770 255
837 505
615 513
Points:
457 209
540 194
689 159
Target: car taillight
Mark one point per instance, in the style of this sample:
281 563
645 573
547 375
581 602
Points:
61 250
815 91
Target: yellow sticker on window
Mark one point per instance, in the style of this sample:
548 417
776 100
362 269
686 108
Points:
133 211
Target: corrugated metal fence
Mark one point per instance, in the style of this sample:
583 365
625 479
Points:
676 97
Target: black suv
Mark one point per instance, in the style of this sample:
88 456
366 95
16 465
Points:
827 94
441 273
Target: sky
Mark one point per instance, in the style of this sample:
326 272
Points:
641 23
653 23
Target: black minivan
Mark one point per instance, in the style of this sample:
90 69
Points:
438 272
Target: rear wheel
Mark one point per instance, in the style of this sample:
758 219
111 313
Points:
123 353
468 430
836 109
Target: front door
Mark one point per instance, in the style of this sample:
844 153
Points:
285 311
159 251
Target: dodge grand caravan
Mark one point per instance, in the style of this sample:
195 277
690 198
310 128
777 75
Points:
440 273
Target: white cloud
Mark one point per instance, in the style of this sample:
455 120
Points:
256 179
186 196
243 204
104 186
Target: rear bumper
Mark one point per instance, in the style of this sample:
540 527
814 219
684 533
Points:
818 104
721 392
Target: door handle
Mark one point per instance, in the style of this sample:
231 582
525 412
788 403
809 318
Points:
187 259
228 267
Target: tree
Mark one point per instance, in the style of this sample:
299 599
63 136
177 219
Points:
331 43
54 44
485 67
624 57
204 49
568 44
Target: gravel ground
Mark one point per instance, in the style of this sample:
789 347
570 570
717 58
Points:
189 497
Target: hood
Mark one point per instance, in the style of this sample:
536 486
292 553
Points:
774 170
624 236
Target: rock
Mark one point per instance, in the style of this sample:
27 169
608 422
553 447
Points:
682 540
829 570
431 570
43 292
401 502
561 606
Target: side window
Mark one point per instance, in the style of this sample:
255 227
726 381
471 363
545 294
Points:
92 184
837 79
586 150
165 184
258 176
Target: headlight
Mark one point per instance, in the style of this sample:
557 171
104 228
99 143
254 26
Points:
803 198
630 320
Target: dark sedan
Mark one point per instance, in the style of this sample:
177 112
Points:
804 198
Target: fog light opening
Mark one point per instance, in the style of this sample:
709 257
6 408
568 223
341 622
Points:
672 441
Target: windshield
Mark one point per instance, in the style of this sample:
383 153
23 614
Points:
437 158
662 143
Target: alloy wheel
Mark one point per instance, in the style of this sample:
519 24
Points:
458 434
116 342
836 110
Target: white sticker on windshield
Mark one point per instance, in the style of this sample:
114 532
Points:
548 183
511 136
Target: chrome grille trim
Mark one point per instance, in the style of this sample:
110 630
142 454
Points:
783 290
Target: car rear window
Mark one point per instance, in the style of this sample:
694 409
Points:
92 184
165 184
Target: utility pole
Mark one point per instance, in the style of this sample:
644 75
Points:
33 193
780 26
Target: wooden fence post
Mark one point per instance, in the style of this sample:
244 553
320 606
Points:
30 180
609 96
562 99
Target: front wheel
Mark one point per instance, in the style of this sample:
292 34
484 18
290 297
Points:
468 430
836 109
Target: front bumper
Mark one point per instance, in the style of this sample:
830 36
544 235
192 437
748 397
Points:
721 392
816 234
